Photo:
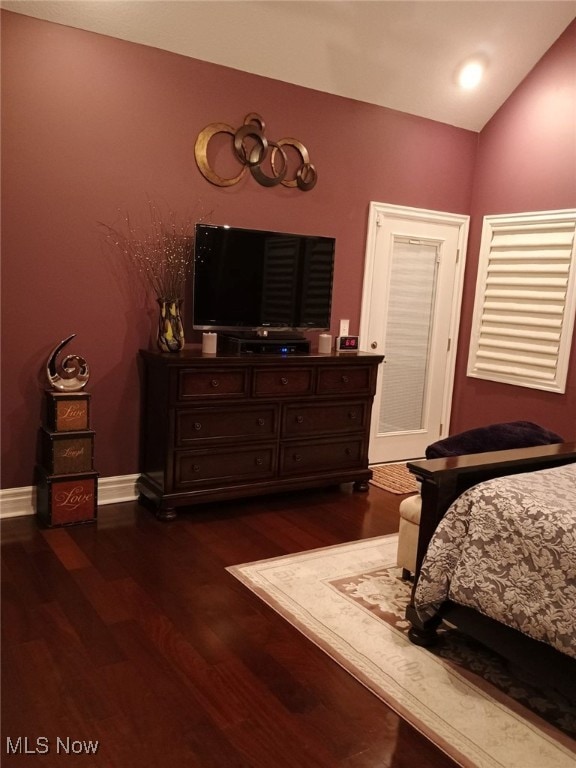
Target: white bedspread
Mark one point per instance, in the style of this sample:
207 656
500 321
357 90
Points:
507 547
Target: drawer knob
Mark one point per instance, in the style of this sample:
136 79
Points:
283 381
299 419
196 467
297 457
345 379
348 451
260 422
214 383
352 415
197 426
258 461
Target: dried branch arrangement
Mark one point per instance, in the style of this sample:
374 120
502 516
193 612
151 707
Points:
160 250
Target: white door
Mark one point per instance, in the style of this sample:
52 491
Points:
410 313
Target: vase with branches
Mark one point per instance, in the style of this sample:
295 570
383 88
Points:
160 252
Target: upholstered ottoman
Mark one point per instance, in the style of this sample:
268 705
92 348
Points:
410 509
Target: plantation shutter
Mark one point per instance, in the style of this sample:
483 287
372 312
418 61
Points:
525 300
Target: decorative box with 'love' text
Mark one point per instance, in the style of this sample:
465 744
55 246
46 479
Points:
66 499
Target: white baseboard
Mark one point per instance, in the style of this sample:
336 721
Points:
17 502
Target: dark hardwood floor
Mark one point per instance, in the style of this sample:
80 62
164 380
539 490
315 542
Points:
132 634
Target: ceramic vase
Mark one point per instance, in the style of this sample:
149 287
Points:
170 329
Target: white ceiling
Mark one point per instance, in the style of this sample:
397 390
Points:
399 54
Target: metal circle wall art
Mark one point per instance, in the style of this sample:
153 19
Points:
252 149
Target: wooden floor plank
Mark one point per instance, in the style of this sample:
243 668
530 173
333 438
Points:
132 633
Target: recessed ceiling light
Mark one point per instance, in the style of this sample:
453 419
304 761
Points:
471 74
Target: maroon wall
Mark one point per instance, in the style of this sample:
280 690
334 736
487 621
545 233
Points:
526 162
92 125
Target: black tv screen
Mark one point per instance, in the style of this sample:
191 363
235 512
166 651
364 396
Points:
246 279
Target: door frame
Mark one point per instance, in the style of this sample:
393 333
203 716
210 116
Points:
462 221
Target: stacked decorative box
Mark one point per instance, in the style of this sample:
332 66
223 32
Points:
67 485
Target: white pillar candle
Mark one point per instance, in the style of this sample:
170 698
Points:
209 342
325 344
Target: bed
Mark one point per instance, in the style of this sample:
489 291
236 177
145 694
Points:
497 556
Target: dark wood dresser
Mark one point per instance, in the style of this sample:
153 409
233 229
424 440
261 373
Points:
218 427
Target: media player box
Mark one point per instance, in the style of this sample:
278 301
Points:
66 499
67 411
262 346
67 452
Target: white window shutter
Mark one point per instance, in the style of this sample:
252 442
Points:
525 300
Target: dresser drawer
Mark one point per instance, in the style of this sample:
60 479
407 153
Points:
326 418
346 380
321 455
224 466
280 382
227 423
213 382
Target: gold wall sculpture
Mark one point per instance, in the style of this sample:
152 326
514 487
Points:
253 153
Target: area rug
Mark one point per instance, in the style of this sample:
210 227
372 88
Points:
394 478
350 601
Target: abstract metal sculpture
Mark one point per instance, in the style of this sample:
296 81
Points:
72 374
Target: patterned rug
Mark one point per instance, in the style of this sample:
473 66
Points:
350 601
394 478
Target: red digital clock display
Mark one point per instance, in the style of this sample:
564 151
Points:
347 344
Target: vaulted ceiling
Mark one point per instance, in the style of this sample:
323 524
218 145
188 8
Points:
403 55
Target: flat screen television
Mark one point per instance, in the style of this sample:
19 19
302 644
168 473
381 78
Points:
247 280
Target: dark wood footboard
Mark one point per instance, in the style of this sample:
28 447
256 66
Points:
442 481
